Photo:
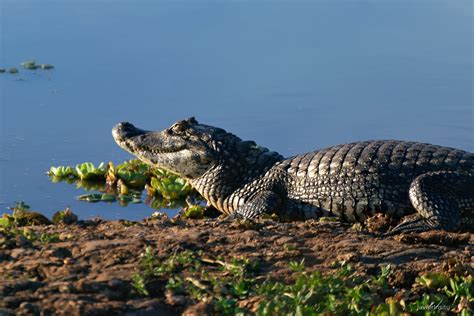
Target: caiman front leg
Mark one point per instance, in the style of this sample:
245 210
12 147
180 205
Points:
442 199
264 202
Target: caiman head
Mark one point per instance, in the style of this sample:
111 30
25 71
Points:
187 148
214 161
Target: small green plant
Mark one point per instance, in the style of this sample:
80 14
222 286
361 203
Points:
65 216
342 292
194 212
23 216
432 280
296 266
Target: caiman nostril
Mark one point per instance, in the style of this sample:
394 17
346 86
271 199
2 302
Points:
125 125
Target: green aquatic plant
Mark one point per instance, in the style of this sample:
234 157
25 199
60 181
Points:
29 64
124 183
169 185
32 65
13 70
63 172
87 171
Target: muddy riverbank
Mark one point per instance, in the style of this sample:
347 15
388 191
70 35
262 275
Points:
95 267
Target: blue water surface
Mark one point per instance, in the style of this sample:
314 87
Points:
292 75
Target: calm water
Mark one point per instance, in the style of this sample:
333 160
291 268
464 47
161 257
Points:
293 76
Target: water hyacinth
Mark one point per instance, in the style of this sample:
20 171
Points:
125 182
29 64
169 185
133 173
32 65
94 197
62 172
87 171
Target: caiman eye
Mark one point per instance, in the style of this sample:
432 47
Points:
179 127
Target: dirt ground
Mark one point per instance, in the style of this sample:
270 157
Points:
89 272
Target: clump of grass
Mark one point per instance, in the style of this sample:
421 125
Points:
23 216
194 211
12 227
65 216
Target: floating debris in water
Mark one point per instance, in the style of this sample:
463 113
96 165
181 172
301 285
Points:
124 183
29 64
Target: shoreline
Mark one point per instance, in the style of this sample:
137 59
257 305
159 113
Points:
94 267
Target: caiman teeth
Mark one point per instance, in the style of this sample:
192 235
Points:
145 151
165 151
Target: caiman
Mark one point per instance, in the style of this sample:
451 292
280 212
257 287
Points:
351 181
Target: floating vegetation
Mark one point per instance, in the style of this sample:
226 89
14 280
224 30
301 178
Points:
29 65
169 185
62 172
87 171
32 65
124 183
132 173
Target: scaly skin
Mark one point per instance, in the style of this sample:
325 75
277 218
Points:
350 181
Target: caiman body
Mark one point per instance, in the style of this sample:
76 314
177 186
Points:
350 181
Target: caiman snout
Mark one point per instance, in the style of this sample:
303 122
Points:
125 130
